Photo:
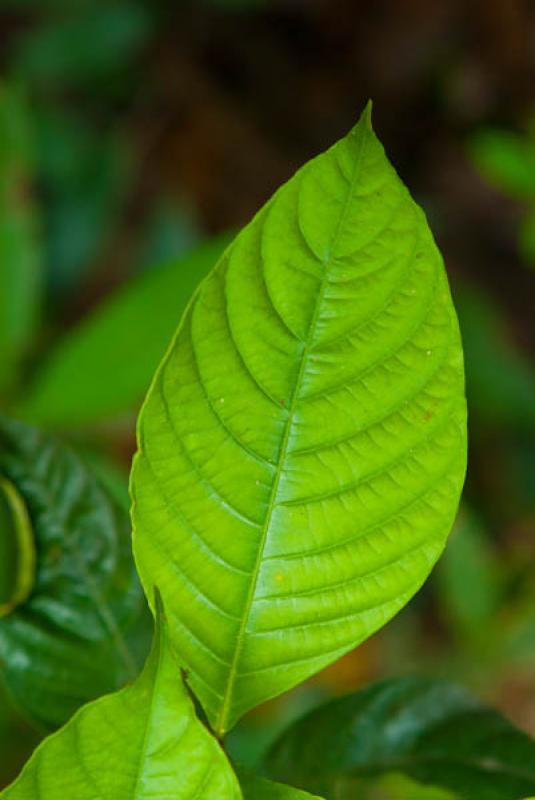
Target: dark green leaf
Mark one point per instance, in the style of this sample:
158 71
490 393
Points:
257 788
433 732
85 628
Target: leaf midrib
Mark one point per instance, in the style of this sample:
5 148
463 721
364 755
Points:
222 721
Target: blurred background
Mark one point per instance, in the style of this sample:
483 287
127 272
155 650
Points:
136 136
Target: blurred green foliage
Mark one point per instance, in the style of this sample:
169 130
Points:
20 258
507 160
103 368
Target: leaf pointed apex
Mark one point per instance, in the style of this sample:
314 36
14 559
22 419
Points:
366 116
364 127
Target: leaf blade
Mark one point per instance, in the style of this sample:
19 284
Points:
142 741
428 730
85 626
260 442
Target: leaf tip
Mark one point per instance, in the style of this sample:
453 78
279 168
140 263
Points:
366 116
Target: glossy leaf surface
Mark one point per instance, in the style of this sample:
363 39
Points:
102 368
302 448
257 788
85 628
143 742
433 732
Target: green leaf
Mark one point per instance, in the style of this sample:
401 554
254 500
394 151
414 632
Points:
144 741
256 788
391 787
17 549
20 267
302 448
85 628
101 369
433 732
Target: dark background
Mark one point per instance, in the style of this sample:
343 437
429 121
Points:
155 125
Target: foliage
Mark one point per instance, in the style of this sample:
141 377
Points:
278 531
301 455
143 741
433 732
264 437
84 630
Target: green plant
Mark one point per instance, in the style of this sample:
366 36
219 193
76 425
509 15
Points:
301 456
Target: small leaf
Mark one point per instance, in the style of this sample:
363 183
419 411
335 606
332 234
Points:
101 369
17 549
85 628
302 448
142 742
433 732
257 788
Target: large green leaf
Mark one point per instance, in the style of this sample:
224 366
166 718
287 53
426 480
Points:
102 368
85 628
20 267
143 742
302 448
433 732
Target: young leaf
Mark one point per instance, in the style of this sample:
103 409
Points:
102 368
302 448
433 732
143 742
85 628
